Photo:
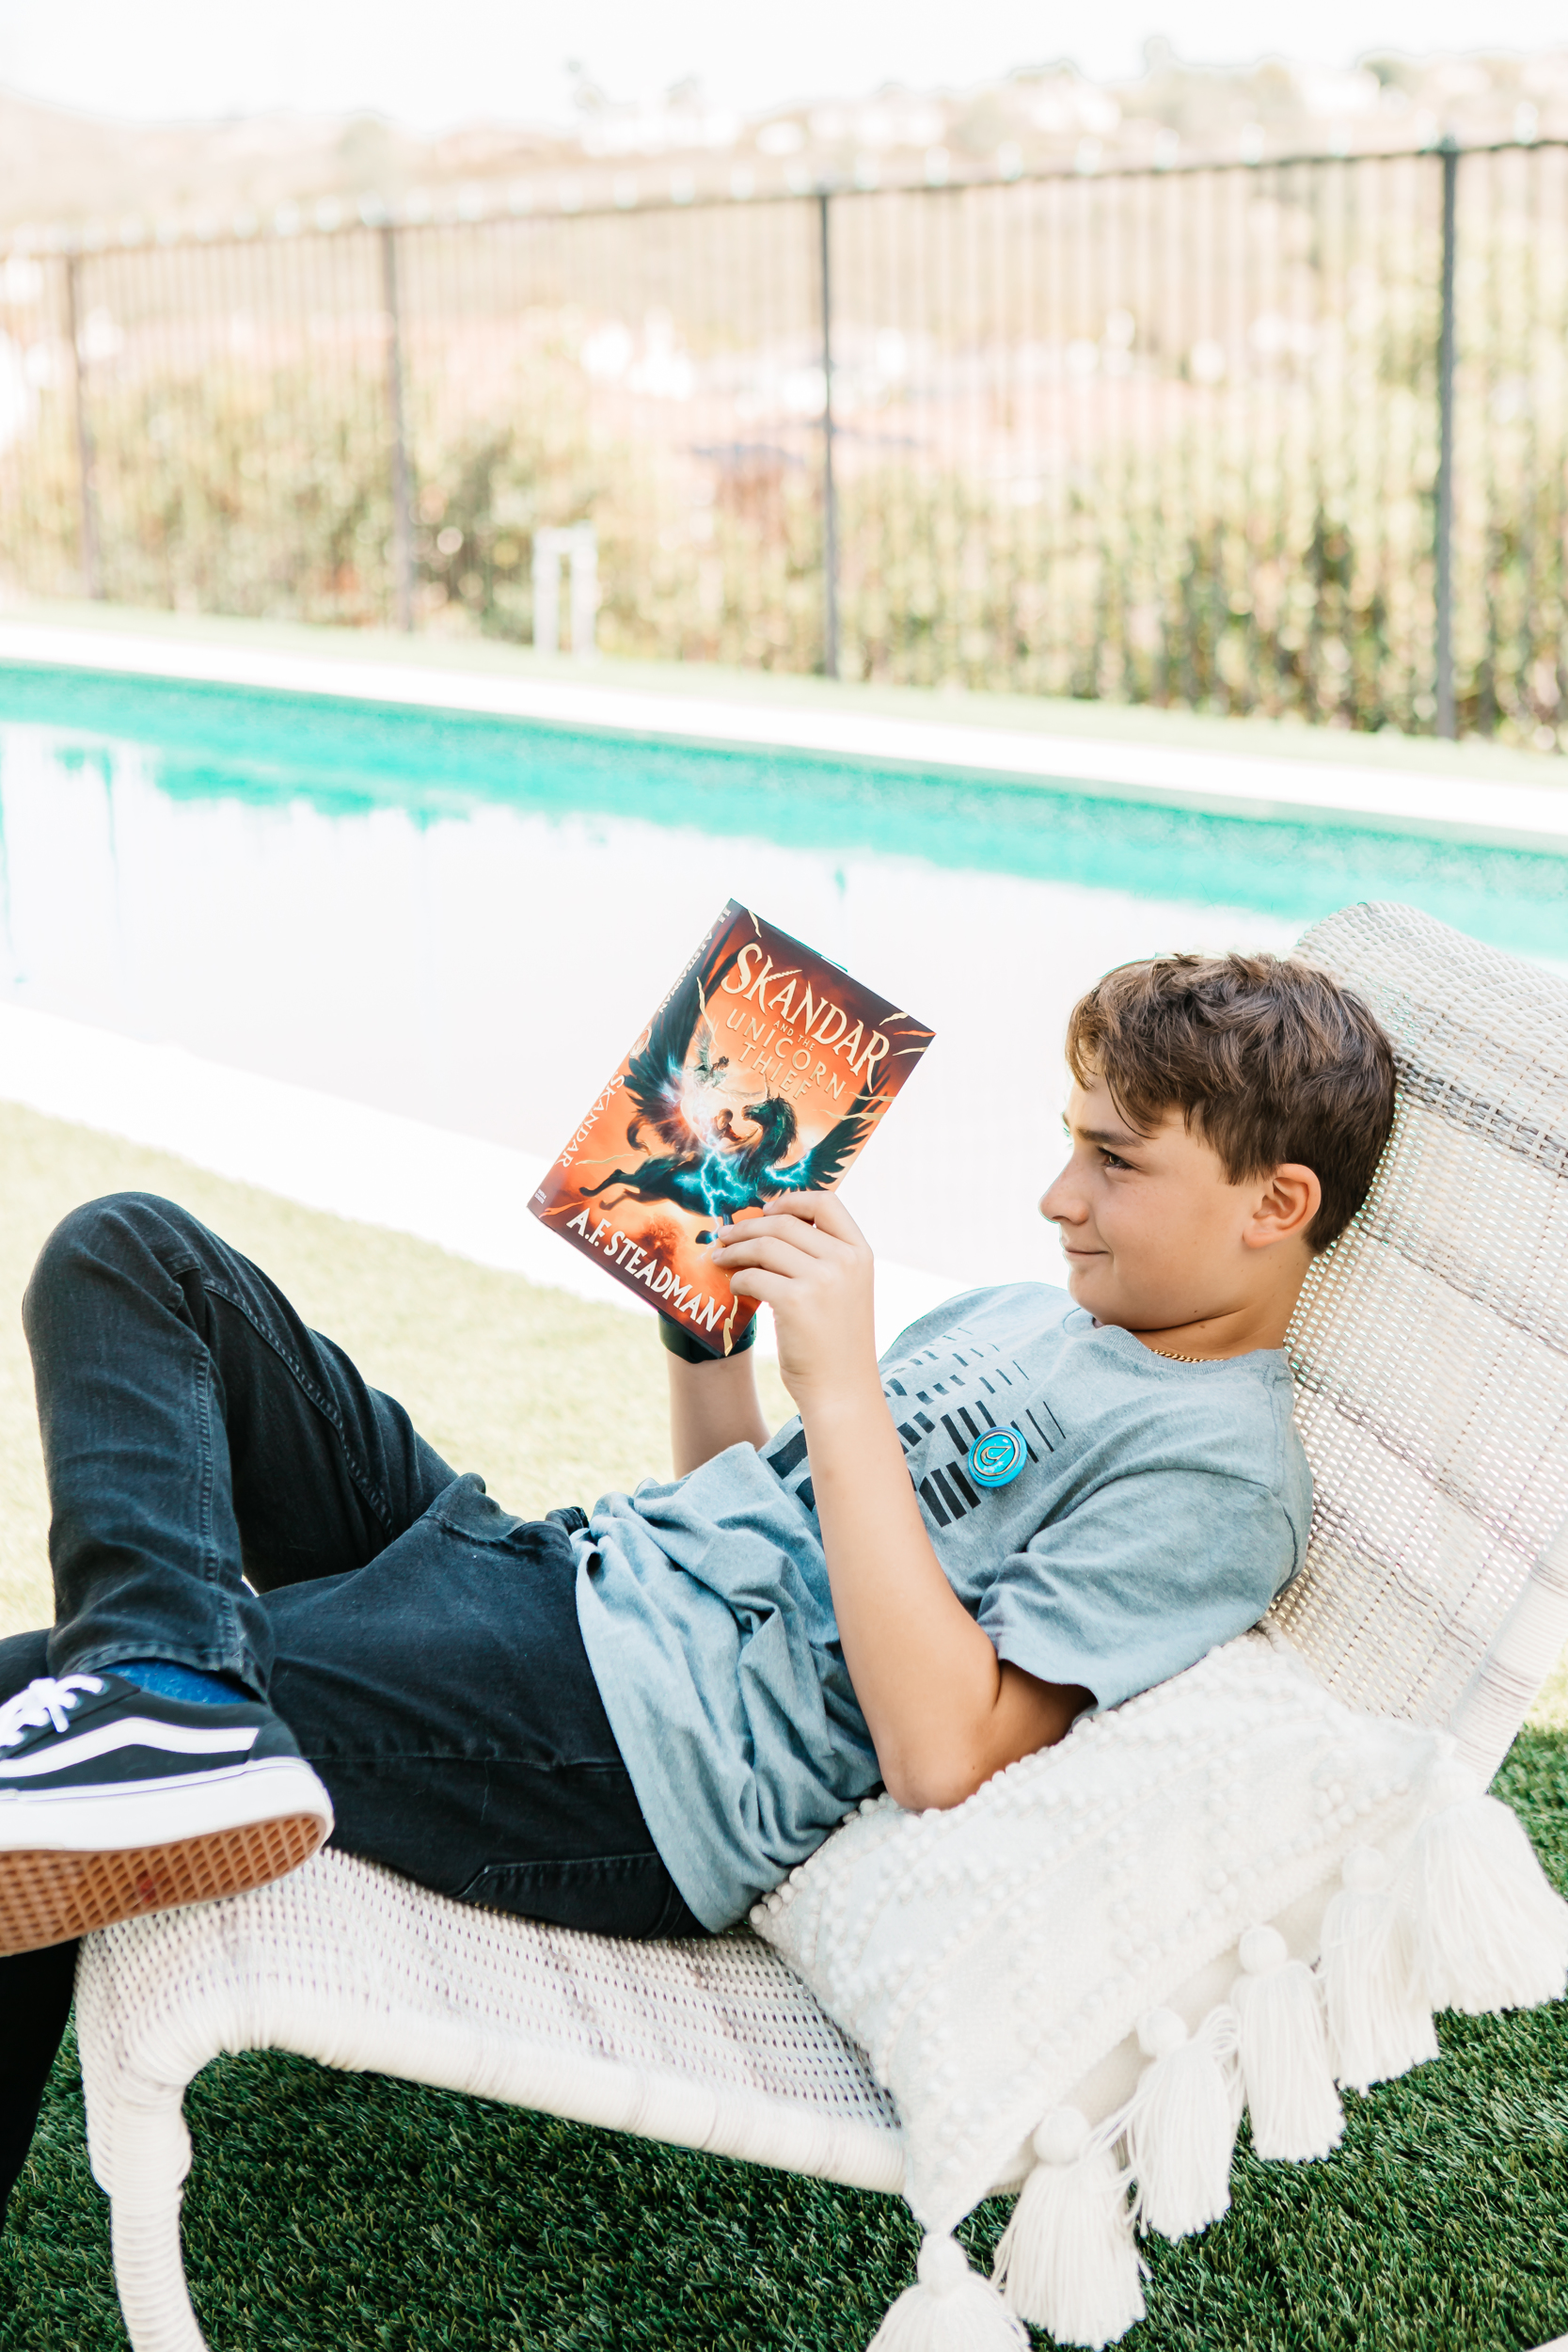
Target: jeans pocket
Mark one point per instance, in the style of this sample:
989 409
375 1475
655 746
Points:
622 1894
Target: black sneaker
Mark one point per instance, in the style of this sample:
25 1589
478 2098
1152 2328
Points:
115 1801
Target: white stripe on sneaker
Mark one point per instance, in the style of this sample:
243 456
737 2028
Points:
108 1820
131 1731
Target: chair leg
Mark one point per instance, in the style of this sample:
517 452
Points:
150 2157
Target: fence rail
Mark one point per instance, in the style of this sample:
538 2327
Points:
1288 438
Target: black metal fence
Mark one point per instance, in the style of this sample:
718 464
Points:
1287 437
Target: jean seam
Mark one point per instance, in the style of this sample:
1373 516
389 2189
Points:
235 1647
379 1502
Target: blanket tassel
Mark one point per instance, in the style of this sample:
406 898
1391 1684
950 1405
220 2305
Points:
1181 2123
951 2309
1289 2089
1379 2019
1066 2260
1490 1931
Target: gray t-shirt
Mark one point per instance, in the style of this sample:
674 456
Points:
1159 1509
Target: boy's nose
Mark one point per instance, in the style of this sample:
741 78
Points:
1057 1204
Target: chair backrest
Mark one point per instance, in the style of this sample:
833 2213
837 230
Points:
1431 1348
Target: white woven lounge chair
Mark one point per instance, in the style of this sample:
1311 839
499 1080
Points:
1431 1351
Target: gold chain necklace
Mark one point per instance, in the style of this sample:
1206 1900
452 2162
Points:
1169 1353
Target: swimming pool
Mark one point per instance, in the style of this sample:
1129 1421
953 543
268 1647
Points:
380 903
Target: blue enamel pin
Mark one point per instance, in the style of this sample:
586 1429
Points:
995 1459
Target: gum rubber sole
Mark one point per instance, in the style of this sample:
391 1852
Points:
53 1898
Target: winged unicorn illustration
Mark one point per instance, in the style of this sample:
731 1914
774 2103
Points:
707 1166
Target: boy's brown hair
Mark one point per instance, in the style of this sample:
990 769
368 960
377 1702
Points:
1271 1059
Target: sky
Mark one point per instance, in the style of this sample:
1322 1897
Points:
431 63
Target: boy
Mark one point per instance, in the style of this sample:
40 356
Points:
275 1602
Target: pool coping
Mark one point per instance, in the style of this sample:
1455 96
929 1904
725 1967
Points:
842 721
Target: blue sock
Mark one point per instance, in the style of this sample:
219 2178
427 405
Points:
186 1684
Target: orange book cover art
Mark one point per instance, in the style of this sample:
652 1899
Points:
762 1072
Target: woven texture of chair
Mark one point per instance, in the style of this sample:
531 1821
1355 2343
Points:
1430 1352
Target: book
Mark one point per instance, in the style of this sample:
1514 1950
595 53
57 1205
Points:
763 1071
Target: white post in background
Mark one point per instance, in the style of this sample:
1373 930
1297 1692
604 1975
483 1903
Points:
546 590
585 591
578 543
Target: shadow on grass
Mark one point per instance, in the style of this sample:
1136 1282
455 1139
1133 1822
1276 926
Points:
332 2213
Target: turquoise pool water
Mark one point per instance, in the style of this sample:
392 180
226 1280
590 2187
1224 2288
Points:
389 904
346 759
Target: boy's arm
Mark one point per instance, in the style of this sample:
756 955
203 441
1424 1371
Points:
712 1406
943 1711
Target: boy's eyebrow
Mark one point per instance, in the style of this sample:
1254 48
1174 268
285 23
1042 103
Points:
1113 1139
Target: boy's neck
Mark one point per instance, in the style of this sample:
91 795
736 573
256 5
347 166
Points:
1257 1322
1242 1331
1203 1344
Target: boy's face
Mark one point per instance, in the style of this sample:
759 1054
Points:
1154 1234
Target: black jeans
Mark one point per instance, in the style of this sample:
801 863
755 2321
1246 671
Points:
228 1493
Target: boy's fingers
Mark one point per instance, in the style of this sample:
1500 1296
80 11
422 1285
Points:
752 1282
823 1211
780 1254
829 1213
809 1239
814 1206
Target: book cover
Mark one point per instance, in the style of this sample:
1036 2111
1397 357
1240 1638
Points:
763 1071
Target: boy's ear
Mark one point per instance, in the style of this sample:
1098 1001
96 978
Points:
1287 1204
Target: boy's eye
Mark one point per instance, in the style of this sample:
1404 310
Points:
1110 1159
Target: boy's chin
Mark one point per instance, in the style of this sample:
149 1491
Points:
1087 1287
1092 1288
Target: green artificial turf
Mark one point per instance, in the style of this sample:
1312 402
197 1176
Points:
343 2213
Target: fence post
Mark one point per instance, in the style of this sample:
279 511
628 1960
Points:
403 528
1447 718
830 496
92 568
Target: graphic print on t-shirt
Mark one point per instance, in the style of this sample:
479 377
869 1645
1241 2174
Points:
943 1401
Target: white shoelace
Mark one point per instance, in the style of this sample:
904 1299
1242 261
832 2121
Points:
44 1701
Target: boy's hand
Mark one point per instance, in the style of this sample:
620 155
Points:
808 1259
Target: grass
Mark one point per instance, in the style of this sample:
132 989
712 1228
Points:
364 2214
